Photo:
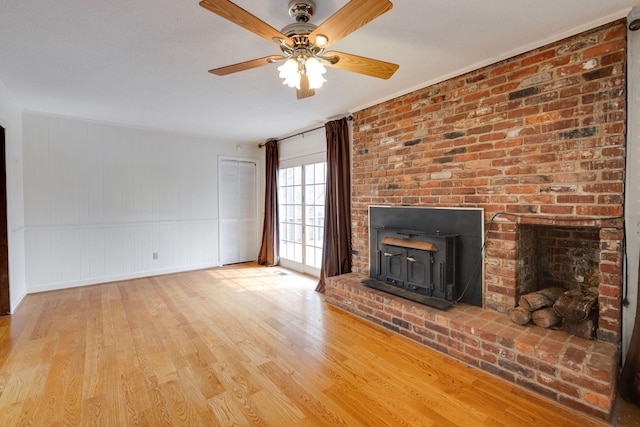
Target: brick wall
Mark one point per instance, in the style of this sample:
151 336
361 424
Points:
535 139
567 256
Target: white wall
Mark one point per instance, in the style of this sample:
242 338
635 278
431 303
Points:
11 121
296 146
632 186
100 199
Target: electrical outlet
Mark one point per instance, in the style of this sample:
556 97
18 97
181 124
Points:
155 255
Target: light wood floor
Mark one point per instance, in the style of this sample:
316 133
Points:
240 345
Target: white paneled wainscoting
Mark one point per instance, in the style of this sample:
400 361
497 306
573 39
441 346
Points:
107 202
67 256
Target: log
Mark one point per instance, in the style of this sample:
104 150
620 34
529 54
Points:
576 305
543 298
520 315
545 317
533 301
584 329
552 293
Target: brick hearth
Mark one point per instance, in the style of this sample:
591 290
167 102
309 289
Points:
576 372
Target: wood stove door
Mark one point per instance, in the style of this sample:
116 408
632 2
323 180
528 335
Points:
419 271
393 266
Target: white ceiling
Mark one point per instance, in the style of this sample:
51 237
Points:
145 62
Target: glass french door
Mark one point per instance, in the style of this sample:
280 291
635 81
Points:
301 199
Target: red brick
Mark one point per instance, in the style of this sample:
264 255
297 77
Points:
580 405
480 355
527 343
603 402
549 350
586 382
602 368
536 364
618 32
540 57
604 48
561 386
573 358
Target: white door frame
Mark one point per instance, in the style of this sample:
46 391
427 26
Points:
256 163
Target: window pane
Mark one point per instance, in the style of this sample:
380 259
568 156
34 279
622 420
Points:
319 236
298 214
320 172
319 216
309 196
297 175
309 217
297 194
309 174
319 193
310 236
298 236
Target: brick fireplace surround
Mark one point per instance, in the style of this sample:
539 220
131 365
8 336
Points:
534 140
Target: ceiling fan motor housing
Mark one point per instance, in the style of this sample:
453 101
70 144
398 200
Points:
301 10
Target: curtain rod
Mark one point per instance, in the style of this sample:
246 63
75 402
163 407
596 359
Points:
349 118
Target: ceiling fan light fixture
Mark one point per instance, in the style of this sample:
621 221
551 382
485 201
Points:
314 70
321 40
290 72
292 69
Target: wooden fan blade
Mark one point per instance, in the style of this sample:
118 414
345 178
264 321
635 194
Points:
239 16
304 90
362 65
352 16
247 65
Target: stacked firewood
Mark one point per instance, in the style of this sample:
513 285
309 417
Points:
574 310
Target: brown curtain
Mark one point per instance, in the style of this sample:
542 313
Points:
336 255
270 248
629 383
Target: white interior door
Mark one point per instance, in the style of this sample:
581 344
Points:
238 210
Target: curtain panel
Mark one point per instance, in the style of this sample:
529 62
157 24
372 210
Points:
270 248
336 253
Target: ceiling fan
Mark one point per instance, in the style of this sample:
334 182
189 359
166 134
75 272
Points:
303 44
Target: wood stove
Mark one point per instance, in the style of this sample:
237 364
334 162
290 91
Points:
431 256
418 261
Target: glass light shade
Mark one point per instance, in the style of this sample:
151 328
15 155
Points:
315 70
321 40
289 71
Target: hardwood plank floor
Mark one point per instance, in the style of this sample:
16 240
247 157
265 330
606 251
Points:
239 345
